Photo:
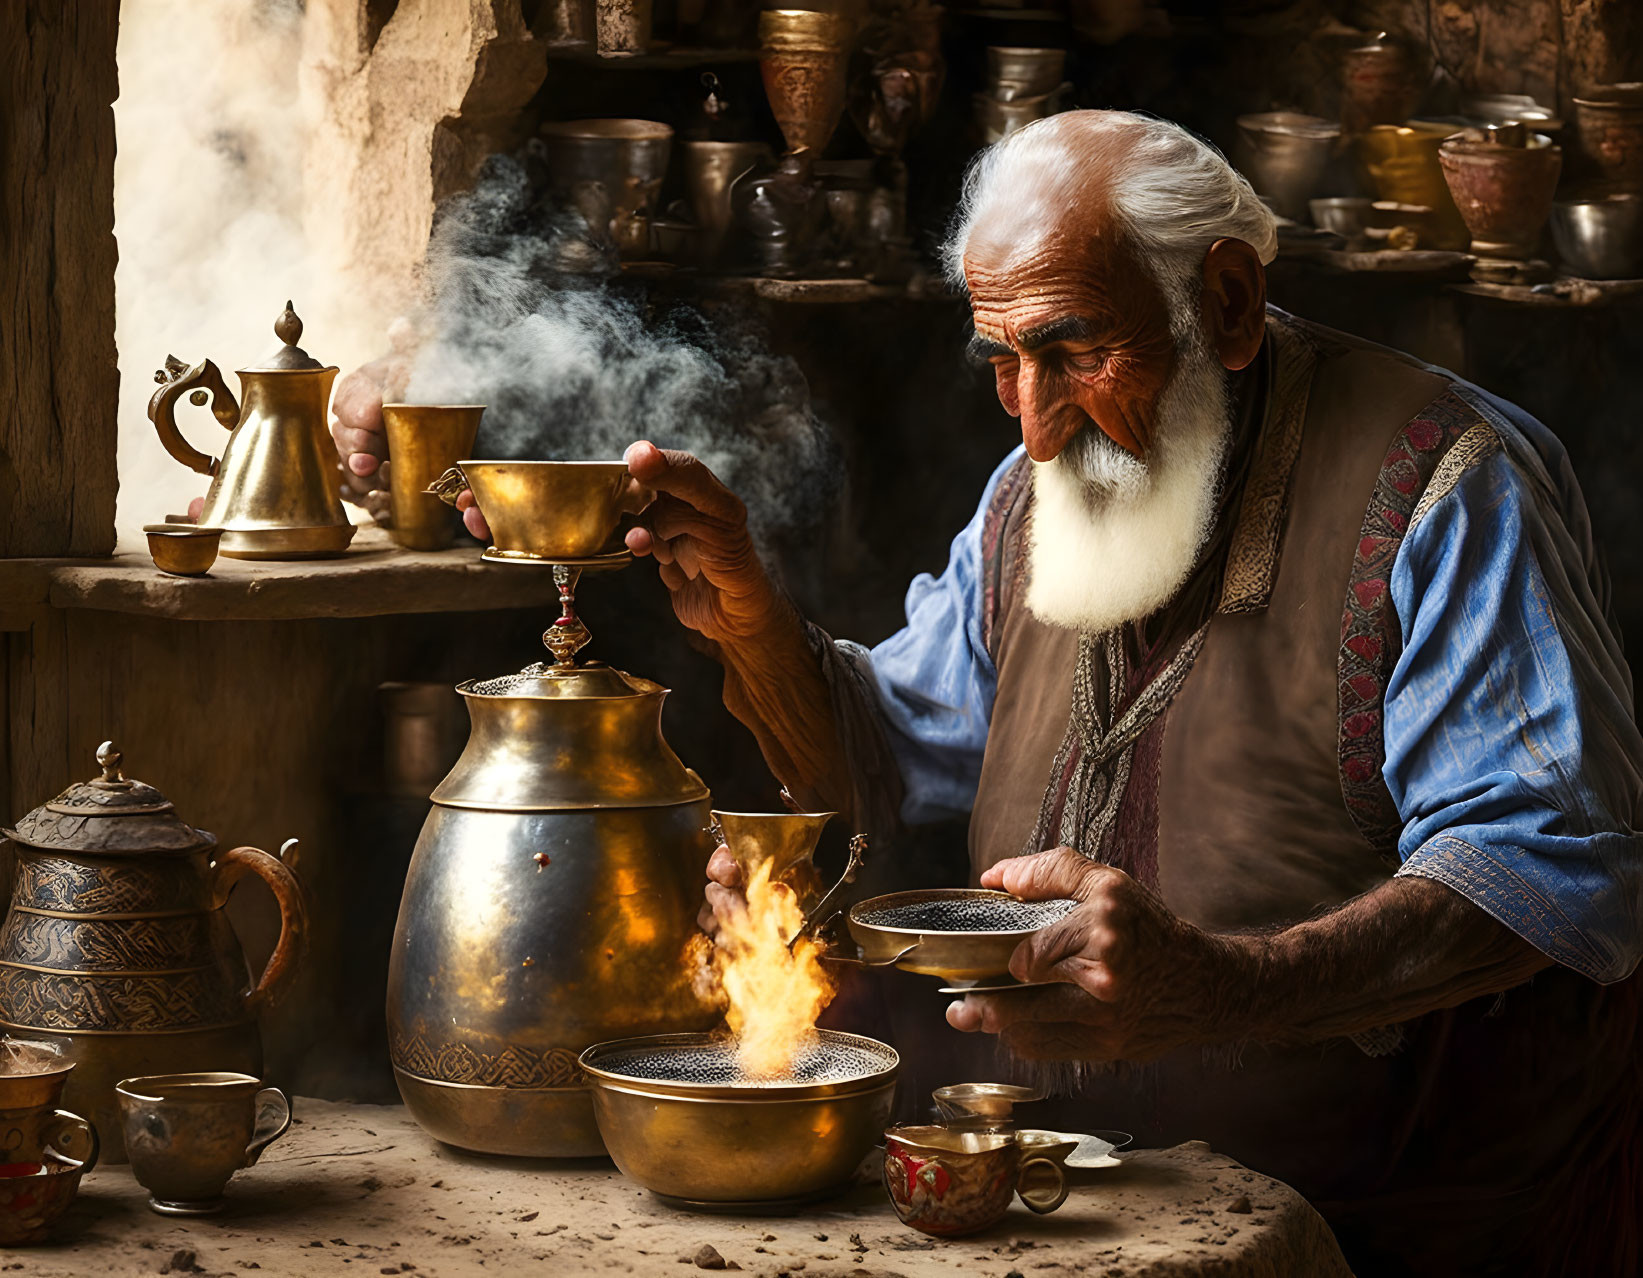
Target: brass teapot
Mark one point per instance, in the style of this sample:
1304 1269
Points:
275 491
116 947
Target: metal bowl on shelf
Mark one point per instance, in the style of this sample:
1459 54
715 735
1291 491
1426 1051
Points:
1600 238
680 1116
960 934
182 549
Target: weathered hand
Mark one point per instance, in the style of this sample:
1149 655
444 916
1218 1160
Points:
697 531
1132 981
357 429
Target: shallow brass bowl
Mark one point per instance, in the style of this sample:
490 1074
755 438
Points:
952 954
728 1144
554 510
183 550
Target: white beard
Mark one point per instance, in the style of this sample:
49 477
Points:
1113 538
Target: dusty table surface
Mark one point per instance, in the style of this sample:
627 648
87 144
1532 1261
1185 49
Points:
360 1189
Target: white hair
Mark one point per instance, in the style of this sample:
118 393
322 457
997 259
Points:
1172 193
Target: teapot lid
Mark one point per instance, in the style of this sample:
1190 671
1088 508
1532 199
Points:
289 357
110 815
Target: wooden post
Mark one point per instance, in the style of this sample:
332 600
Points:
59 385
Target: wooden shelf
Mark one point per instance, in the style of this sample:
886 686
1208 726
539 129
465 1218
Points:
660 59
807 291
374 578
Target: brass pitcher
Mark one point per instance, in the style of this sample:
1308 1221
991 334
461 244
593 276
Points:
275 491
116 948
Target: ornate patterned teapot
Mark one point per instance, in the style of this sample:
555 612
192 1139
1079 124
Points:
117 948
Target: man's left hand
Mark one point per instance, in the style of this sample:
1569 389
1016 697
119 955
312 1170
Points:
1132 981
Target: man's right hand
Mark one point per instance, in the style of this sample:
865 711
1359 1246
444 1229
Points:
724 891
697 531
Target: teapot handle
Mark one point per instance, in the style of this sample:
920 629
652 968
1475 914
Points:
230 867
175 379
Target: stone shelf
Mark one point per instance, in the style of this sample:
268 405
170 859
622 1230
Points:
374 578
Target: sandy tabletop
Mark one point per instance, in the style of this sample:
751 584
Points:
360 1189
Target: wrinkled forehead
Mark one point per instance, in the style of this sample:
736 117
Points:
1075 261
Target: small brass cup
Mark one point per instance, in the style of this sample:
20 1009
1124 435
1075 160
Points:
183 550
949 1183
187 1134
554 511
424 441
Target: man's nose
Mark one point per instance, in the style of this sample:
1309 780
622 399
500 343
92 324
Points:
1047 419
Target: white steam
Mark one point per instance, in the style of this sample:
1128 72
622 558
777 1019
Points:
208 202
572 364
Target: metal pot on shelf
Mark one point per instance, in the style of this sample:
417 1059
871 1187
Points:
116 948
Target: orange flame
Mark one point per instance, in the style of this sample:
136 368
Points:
773 994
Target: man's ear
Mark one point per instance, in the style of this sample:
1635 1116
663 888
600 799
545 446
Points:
1234 301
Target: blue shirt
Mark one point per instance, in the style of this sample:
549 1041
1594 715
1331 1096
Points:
1511 750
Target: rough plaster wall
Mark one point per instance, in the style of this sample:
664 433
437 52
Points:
400 113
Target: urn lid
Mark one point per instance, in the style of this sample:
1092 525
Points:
566 736
110 815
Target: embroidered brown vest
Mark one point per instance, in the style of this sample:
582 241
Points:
1253 797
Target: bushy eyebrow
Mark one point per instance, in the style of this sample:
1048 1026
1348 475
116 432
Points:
980 349
1069 328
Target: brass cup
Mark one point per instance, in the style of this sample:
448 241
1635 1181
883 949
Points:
424 441
183 550
710 169
554 510
786 839
998 119
187 1134
949 1183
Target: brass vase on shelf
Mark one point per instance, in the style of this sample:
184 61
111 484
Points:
116 948
1401 163
803 59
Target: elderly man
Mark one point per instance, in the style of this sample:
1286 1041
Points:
1292 653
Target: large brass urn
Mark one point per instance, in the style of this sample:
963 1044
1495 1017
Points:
116 946
550 904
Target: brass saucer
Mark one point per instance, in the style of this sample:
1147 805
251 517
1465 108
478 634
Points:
586 563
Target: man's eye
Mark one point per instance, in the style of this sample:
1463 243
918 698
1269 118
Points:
1087 361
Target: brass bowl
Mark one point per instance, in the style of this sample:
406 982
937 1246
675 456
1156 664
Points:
183 550
679 1119
1401 163
884 926
554 510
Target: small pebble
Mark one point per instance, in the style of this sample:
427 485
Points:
1240 1205
708 1257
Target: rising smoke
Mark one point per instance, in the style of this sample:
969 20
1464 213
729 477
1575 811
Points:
526 316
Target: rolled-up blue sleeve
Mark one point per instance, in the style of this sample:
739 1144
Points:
935 681
1511 749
